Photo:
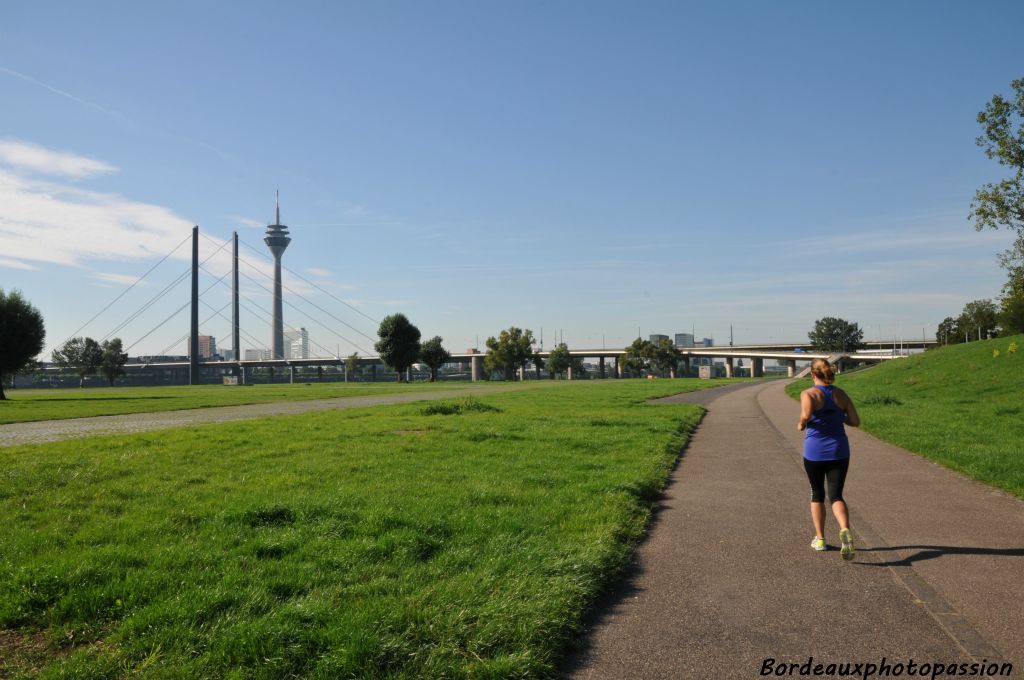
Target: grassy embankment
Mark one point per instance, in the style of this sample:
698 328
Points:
959 406
31 405
464 538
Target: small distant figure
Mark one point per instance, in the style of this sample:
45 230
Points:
824 411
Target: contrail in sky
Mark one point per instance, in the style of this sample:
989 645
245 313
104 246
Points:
62 93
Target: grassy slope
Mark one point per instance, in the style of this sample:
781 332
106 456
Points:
959 406
364 543
29 405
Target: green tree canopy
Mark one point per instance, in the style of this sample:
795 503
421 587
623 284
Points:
948 333
21 334
399 344
1011 304
511 350
82 355
1001 204
638 356
836 335
665 357
978 320
559 360
352 365
434 355
113 360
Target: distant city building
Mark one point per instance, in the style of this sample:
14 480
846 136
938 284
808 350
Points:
684 340
229 355
296 343
207 346
708 342
257 354
656 338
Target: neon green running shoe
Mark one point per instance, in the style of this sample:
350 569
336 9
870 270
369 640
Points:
819 544
847 552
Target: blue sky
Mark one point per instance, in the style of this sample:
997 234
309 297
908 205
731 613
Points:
582 169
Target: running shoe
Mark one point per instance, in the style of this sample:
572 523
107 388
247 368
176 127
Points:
847 552
819 544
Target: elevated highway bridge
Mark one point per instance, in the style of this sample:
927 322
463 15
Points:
789 353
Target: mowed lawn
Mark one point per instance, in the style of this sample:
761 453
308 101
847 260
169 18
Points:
463 538
961 406
52 404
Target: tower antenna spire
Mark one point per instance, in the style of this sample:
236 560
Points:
277 217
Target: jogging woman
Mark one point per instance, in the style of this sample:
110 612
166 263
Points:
824 409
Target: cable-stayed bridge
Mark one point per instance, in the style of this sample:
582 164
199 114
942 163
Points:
262 273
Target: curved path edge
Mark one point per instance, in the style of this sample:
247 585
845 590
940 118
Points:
726 580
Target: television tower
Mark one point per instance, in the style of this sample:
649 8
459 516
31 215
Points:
277 240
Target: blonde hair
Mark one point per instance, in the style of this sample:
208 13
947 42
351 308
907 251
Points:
823 371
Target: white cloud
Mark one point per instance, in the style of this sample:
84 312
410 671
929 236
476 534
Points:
124 279
246 221
317 271
48 222
34 158
16 264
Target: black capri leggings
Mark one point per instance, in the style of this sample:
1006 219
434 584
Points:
832 470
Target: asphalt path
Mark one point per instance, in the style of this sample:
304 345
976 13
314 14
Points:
726 579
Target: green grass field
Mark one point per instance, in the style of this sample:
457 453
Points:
960 406
465 538
40 404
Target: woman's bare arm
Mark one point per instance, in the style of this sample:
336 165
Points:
852 417
806 409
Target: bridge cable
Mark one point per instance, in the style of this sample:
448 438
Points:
125 291
304 312
176 311
159 295
352 307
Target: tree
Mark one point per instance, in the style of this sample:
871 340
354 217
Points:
21 334
666 357
638 356
434 355
399 344
1002 204
978 320
511 350
113 360
352 366
948 333
82 355
1011 304
836 335
559 360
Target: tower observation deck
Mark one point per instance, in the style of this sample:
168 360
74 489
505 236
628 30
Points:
277 240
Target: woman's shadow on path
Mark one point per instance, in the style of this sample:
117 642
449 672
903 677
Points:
931 552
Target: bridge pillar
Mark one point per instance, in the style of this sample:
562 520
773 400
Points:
568 372
600 364
291 375
476 366
618 367
728 367
756 367
791 368
241 373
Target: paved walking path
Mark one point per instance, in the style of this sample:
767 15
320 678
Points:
727 578
54 430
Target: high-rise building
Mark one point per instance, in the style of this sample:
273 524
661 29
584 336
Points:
207 346
277 241
684 339
296 343
257 354
657 337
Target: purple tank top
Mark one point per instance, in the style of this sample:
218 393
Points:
826 436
